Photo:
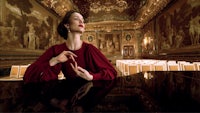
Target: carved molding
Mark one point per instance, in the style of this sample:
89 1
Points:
109 26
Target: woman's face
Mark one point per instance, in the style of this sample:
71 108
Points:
76 23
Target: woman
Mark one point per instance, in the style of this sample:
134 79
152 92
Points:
74 58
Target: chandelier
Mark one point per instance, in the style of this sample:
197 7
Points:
107 6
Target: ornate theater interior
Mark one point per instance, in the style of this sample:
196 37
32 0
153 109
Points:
136 36
121 29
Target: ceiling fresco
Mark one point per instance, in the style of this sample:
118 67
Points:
138 11
103 10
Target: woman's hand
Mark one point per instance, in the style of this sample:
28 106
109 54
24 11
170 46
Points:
62 57
82 72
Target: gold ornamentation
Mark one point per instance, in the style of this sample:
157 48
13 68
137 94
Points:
107 6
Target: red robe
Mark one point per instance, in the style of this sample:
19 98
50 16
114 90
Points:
89 58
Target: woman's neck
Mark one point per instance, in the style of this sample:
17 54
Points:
74 42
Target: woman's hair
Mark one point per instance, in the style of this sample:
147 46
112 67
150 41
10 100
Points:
62 30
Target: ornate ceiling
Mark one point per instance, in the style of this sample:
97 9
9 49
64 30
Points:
138 12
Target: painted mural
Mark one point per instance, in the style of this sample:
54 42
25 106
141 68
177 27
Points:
109 43
23 25
179 25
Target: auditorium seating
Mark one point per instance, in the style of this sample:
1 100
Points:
132 66
17 72
128 67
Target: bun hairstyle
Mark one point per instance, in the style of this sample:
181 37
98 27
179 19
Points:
62 30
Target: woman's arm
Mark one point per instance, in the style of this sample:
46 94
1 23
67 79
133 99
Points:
41 70
98 65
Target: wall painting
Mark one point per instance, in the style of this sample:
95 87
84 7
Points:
178 27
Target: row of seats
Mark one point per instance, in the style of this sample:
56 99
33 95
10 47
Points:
128 67
18 71
132 66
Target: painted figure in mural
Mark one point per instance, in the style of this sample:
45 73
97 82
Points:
164 42
31 36
194 30
110 45
13 30
4 31
8 35
171 35
116 43
75 58
179 38
102 44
